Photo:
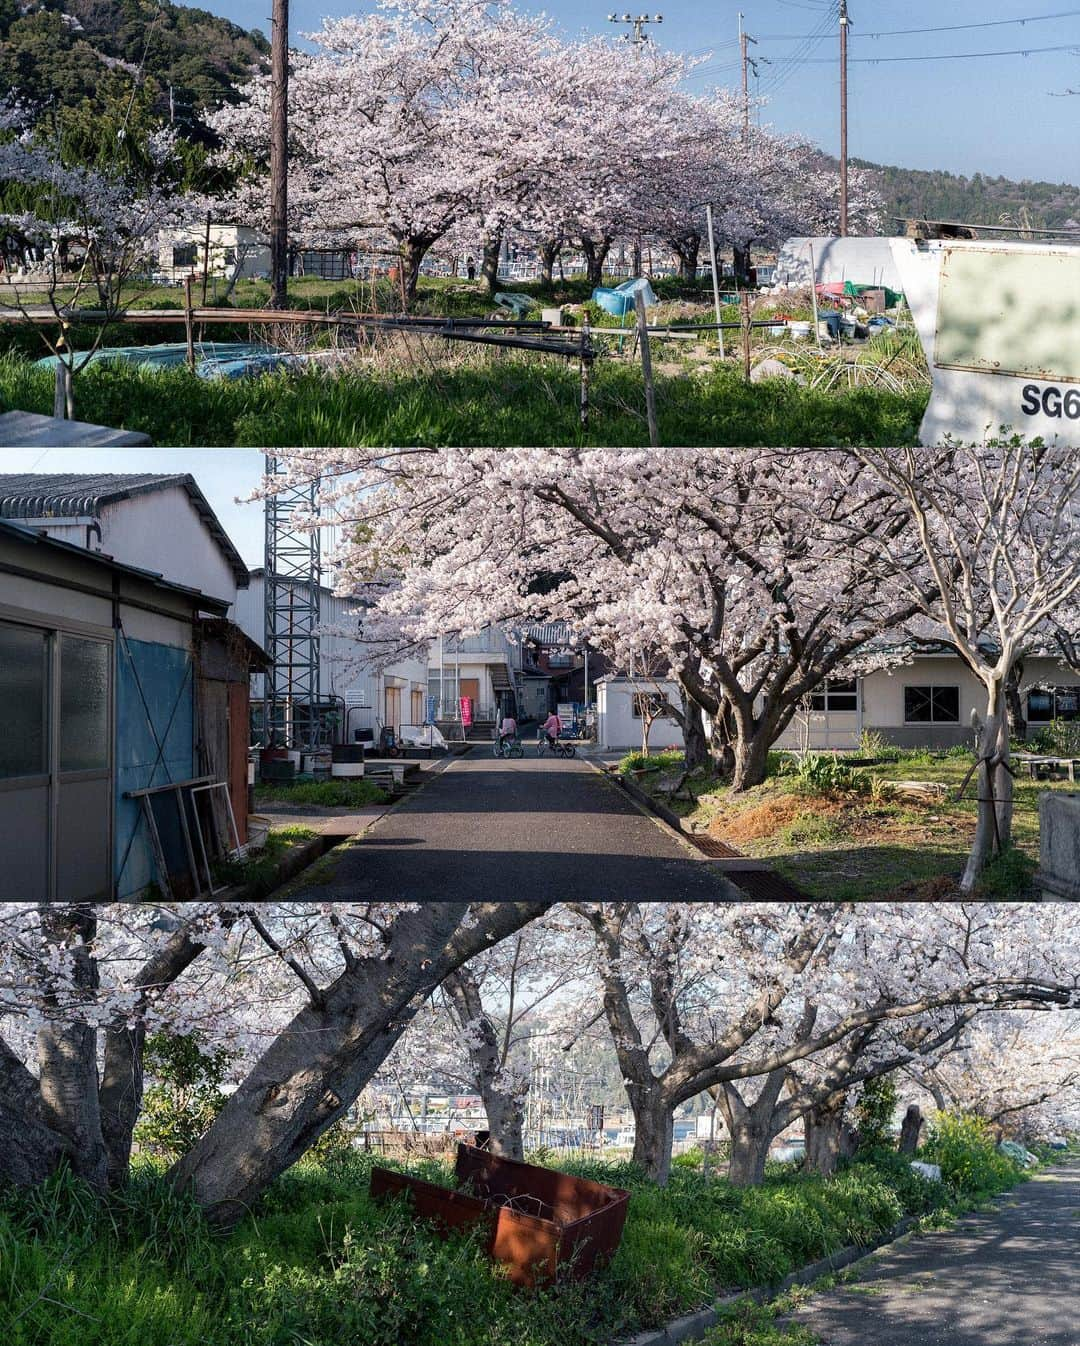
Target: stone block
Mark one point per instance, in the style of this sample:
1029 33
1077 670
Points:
1059 845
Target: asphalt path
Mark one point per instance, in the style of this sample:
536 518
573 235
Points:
525 828
1007 1276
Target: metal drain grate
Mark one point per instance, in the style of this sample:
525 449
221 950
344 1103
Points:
719 850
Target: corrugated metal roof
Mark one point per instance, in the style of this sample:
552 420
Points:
46 495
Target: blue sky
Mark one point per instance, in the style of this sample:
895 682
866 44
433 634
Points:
993 115
224 475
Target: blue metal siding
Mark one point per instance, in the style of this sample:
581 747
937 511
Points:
155 737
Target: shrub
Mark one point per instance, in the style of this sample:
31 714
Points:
667 760
963 1145
874 1112
185 1096
822 773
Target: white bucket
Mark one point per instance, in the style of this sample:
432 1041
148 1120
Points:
800 331
552 316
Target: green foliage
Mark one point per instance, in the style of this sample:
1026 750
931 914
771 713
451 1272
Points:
504 401
970 1161
1009 875
874 1112
319 1261
342 792
653 761
259 872
1060 738
185 1095
825 773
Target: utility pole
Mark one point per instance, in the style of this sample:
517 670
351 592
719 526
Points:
638 37
744 51
845 24
279 154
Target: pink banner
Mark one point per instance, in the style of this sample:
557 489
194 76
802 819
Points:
465 704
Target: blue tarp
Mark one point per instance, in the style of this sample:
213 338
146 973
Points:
620 301
213 359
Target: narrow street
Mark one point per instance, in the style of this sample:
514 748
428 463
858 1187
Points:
549 828
1008 1276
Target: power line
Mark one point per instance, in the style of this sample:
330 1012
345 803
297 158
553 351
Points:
946 28
954 56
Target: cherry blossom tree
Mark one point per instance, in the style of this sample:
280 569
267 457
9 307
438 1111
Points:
318 995
96 229
698 996
998 526
754 574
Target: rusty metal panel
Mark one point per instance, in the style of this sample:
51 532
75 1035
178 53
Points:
541 1222
239 736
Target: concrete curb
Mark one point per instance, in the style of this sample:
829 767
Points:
694 1326
645 806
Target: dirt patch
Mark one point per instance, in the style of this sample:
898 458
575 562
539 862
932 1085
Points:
942 889
764 820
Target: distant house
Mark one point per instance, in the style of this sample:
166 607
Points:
354 696
234 248
114 620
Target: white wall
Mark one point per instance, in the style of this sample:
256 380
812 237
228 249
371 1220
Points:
863 261
343 671
254 262
617 730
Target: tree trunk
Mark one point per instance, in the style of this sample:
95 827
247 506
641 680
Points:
696 744
67 1051
315 1069
741 260
549 251
1015 702
503 1096
596 251
751 758
687 250
749 1151
828 1137
413 252
654 1122
910 1129
994 785
489 267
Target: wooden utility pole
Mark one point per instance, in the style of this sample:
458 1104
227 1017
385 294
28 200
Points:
279 154
189 328
744 51
845 24
715 267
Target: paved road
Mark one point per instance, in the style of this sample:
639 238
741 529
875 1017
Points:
1009 1276
525 828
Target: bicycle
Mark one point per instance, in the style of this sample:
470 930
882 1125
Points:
508 747
560 748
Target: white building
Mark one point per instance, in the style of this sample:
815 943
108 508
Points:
159 522
863 261
488 668
619 705
233 248
366 698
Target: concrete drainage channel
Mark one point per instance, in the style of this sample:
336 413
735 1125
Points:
696 1326
756 878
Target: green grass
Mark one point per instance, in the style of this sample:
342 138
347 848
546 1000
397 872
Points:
258 872
504 400
318 1261
851 844
341 793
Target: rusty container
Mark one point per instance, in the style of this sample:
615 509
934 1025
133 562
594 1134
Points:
540 1222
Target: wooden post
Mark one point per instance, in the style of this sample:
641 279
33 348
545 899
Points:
63 398
746 330
206 259
189 324
279 154
586 363
646 369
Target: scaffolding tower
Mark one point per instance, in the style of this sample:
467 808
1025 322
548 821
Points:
293 576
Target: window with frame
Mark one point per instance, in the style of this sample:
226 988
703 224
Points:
931 705
185 254
837 695
1047 704
651 705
